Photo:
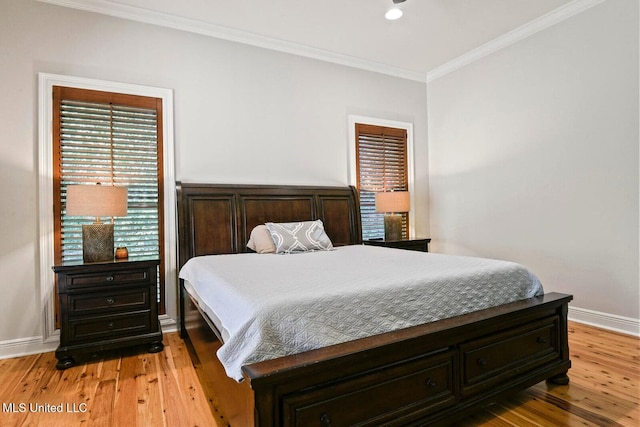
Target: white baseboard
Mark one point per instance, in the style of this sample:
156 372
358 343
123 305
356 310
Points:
612 322
25 346
168 324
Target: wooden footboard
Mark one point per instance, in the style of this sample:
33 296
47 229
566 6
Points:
429 374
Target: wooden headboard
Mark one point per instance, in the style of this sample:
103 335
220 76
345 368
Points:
218 219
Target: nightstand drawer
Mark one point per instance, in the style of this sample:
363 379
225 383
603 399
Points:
109 326
125 277
135 299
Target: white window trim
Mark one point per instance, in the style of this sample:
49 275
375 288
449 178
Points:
353 173
45 191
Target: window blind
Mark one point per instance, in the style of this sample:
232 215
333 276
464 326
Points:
110 140
381 163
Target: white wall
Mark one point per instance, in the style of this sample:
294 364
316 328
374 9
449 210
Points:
533 156
242 114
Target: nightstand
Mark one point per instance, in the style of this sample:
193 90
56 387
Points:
107 306
421 245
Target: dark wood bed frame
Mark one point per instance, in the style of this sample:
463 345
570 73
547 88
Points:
431 374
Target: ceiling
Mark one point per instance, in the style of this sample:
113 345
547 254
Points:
430 34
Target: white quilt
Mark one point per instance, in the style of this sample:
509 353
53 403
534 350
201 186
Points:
271 305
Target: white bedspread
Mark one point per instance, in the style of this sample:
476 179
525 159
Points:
275 305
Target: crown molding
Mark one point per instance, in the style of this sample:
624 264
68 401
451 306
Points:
147 16
545 21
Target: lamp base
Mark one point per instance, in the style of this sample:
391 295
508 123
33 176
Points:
392 227
97 242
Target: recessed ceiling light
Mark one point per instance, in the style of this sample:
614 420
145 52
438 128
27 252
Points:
393 14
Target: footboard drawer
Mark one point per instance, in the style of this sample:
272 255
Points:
384 396
489 361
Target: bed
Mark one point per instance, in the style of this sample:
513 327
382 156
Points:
429 373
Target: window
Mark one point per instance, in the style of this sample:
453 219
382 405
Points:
109 138
381 164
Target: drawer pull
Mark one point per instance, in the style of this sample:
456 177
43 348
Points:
431 383
109 278
110 300
482 363
110 325
541 340
325 420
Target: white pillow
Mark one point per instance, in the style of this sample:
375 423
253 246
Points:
293 237
260 240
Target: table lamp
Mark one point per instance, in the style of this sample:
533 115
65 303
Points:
391 203
98 201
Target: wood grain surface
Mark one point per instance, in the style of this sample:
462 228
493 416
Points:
162 389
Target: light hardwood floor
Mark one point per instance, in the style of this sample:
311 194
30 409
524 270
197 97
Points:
162 389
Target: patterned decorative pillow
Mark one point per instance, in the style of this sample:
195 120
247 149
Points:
293 237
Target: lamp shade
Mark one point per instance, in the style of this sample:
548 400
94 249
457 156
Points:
96 200
392 201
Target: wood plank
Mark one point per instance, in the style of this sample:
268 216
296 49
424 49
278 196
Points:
101 410
173 394
102 405
149 391
187 381
125 402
